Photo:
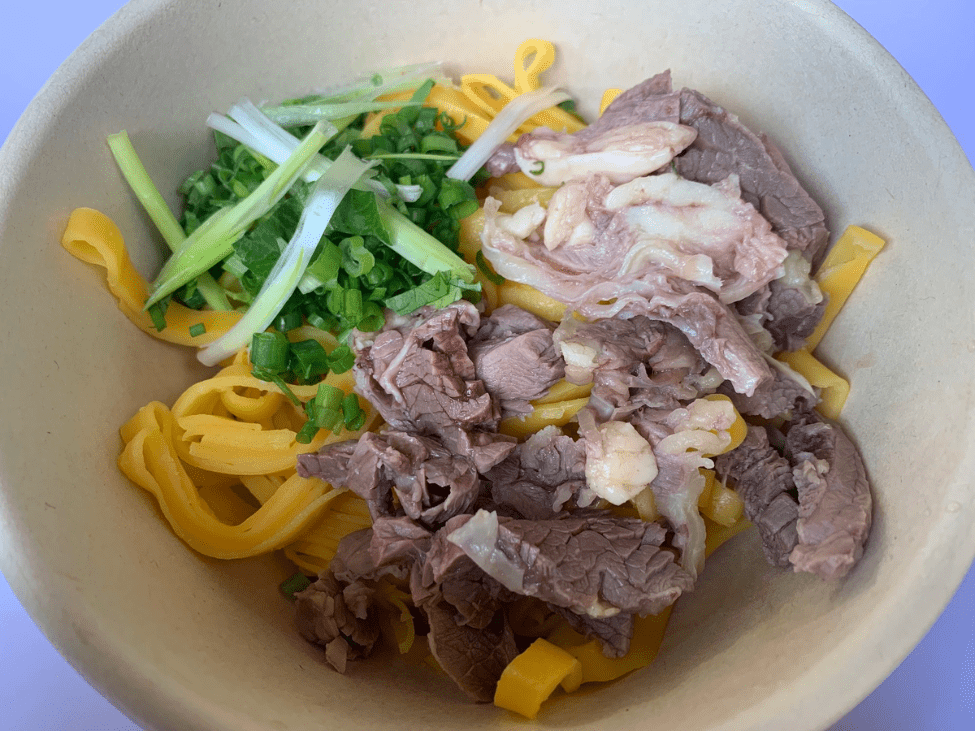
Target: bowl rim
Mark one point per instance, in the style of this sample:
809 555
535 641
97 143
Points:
144 699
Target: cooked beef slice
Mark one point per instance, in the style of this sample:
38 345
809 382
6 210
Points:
418 374
469 632
447 574
337 611
715 333
502 161
474 658
780 395
763 480
357 465
724 146
632 363
484 449
653 99
542 477
514 356
430 482
614 633
590 562
791 317
834 498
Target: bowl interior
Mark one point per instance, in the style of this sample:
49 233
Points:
183 642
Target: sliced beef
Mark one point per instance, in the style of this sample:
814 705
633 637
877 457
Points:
484 449
724 146
590 562
431 483
713 330
763 479
791 317
514 356
418 374
474 658
780 395
632 363
651 99
834 498
338 610
469 632
614 633
543 477
355 464
502 161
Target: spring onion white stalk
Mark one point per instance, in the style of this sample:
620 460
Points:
420 248
248 124
324 199
502 126
152 201
215 237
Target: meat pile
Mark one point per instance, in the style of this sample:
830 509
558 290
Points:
685 243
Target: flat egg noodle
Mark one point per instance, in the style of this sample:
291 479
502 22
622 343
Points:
151 460
93 237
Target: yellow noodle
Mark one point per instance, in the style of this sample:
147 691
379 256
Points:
94 238
834 389
150 459
842 269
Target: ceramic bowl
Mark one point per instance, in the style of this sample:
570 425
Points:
180 642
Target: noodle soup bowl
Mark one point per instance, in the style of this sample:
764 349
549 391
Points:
179 641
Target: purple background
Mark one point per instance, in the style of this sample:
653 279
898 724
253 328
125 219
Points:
934 688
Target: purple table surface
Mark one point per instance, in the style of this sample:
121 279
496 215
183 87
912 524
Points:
932 690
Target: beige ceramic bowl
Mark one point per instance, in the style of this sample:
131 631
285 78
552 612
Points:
179 642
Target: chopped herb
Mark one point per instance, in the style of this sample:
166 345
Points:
538 169
295 584
197 330
486 269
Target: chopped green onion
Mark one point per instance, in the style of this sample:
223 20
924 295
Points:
269 352
306 433
288 321
295 584
308 360
274 378
486 269
352 411
341 359
158 314
197 329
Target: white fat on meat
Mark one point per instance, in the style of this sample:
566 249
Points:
621 153
619 462
699 430
703 234
478 538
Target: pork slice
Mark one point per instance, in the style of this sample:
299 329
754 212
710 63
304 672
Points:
590 562
514 356
724 146
763 480
418 374
835 504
